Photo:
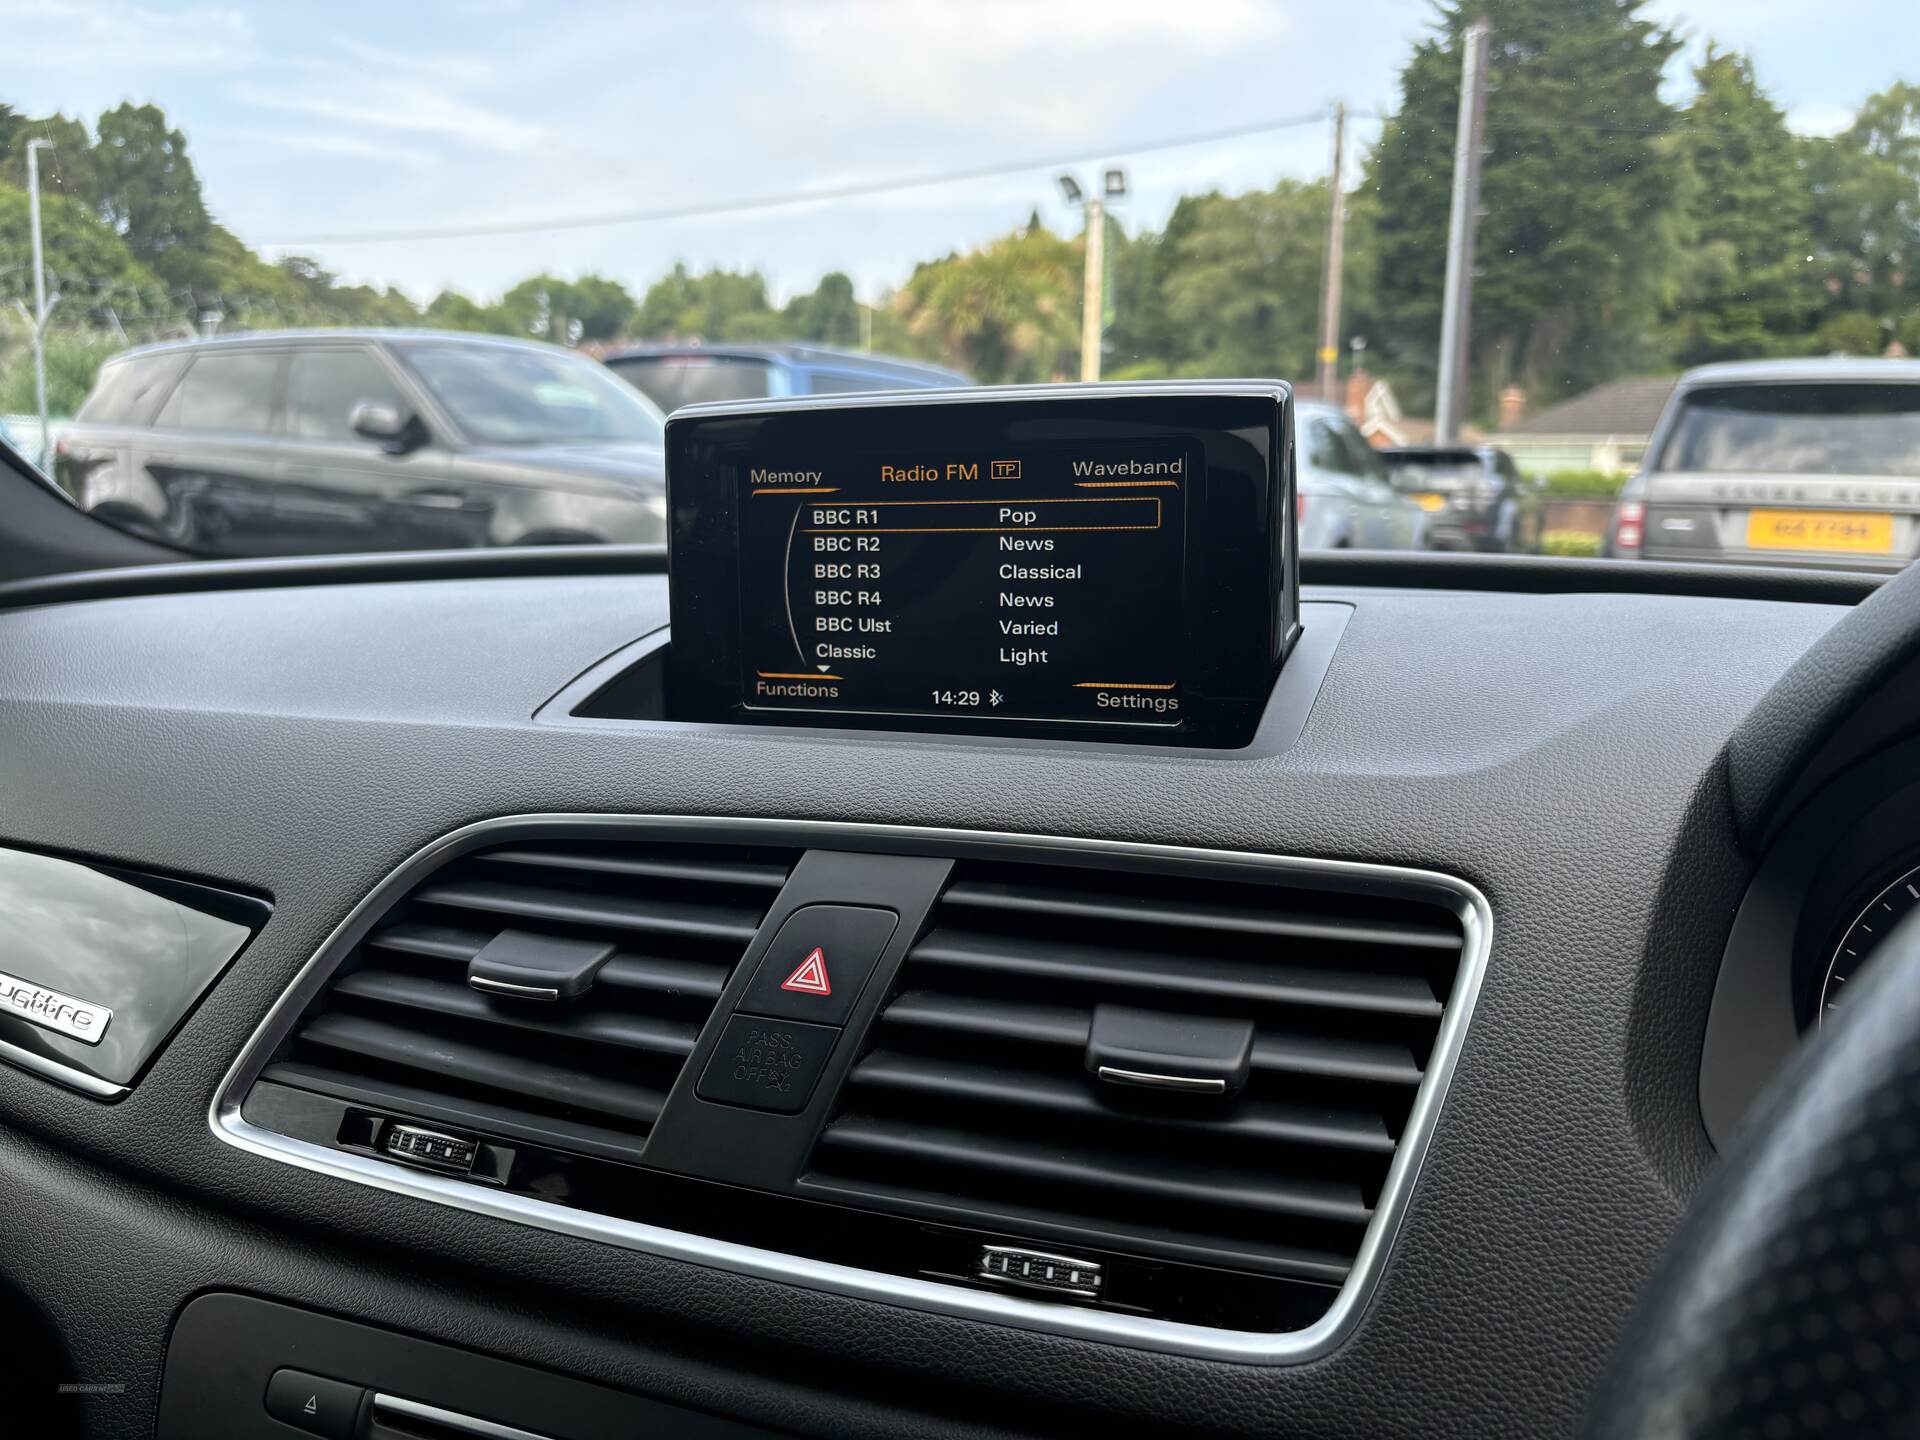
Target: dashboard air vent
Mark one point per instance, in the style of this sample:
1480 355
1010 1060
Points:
652 931
1206 1069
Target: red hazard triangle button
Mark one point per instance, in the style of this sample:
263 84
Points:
810 977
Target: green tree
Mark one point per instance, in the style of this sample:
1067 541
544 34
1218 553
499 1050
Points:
67 169
1742 284
1008 312
450 310
1851 332
547 307
86 262
148 189
716 305
1234 286
1570 254
1866 207
829 315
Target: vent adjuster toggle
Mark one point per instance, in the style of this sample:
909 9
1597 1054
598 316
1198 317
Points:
1196 1054
522 966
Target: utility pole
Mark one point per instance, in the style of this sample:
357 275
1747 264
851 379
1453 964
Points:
1093 305
1332 262
40 306
1093 299
1456 311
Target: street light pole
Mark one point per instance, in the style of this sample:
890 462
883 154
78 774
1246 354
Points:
1092 296
34 147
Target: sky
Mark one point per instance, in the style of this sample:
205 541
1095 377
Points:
309 123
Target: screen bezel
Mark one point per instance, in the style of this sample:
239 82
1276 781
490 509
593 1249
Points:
1239 563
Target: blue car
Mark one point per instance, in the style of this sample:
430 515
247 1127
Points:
676 375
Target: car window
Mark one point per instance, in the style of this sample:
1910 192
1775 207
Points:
520 395
1440 469
324 386
1326 451
1807 429
1361 457
230 391
671 381
127 390
841 382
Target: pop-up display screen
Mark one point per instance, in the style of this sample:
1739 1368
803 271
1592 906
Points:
1040 584
1103 561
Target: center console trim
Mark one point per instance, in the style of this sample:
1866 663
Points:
1290 1347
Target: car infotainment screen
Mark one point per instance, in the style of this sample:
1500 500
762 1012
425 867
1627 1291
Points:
1064 561
1040 584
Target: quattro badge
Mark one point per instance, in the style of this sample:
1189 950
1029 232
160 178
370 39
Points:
50 1010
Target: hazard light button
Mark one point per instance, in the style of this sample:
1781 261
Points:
819 963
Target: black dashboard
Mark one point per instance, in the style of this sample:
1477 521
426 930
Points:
548 1043
1560 759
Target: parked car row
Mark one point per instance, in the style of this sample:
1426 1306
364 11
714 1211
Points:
333 440
314 442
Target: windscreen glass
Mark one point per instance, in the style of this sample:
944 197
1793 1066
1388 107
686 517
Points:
760 199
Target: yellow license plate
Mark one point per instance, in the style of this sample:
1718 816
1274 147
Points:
1432 504
1820 530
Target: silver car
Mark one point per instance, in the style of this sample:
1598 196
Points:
1782 462
1347 499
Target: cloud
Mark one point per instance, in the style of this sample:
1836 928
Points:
382 92
107 36
334 142
1049 70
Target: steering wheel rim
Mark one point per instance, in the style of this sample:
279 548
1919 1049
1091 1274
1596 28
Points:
1788 1304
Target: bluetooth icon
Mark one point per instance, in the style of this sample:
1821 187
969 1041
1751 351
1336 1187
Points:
995 697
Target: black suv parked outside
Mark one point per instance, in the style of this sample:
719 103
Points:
1471 493
347 440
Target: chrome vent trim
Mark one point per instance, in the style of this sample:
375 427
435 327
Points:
1202 1342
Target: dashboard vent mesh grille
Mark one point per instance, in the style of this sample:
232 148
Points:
397 1026
974 1098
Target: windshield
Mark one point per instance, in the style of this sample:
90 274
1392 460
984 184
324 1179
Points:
1514 228
1803 430
509 396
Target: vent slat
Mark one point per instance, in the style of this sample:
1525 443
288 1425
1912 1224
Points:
962 1085
746 873
451 1000
970 1015
1212 979
594 911
625 970
1026 1162
510 1074
1046 901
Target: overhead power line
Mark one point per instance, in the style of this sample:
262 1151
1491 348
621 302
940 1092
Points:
851 191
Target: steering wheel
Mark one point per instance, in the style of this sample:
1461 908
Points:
1788 1304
